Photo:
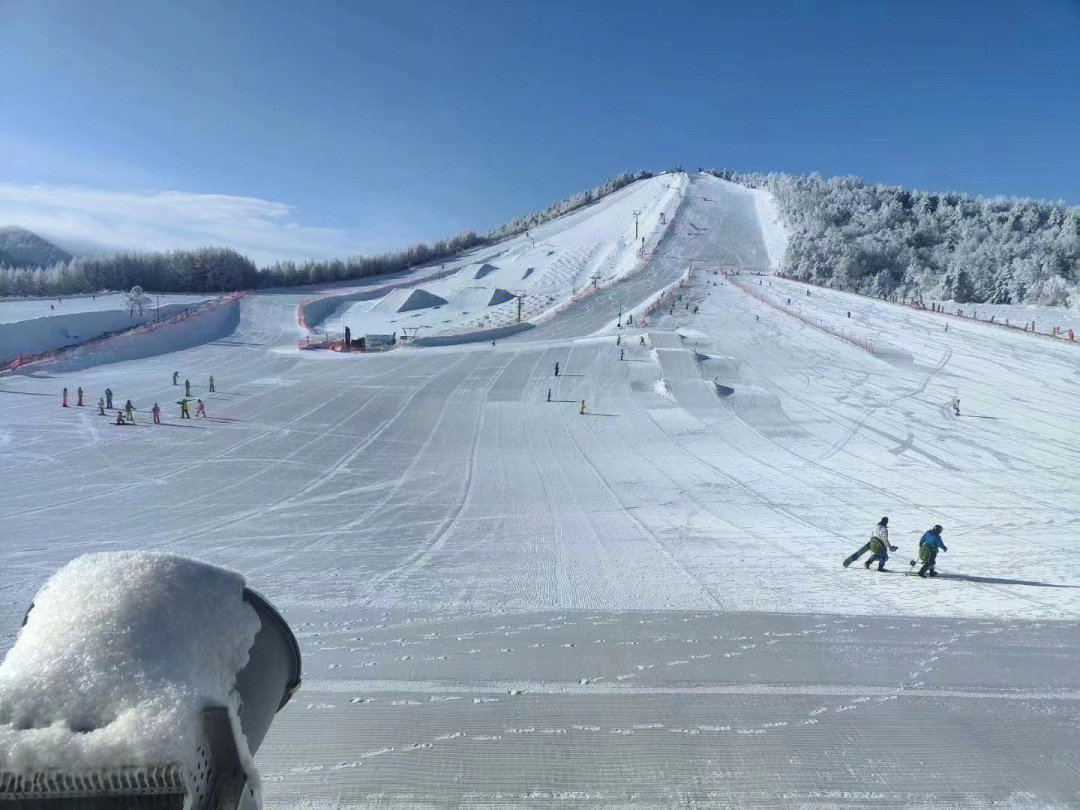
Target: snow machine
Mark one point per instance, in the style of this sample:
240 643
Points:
217 775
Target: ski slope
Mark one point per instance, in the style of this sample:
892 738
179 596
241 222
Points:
548 267
502 601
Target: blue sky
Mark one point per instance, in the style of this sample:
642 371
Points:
333 127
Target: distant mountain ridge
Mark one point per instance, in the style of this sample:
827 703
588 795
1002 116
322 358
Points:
22 248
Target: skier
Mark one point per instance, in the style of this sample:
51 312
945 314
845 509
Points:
956 405
212 377
641 340
156 411
176 378
200 409
549 395
621 355
79 394
129 410
108 398
618 340
880 534
187 388
101 406
184 412
582 411
63 399
929 545
556 368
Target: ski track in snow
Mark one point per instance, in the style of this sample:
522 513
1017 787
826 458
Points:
501 601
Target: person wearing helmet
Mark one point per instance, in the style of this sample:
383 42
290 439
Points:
879 545
929 545
879 533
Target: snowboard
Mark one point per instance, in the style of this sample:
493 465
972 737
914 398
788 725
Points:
857 554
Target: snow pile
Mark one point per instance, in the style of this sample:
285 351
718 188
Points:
119 655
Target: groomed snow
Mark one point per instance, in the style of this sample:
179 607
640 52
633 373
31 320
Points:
549 266
119 656
502 601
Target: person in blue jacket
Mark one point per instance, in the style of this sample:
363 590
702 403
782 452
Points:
929 545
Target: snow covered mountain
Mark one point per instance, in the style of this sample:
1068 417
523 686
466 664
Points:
21 248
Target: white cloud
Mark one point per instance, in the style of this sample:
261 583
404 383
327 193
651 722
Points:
106 221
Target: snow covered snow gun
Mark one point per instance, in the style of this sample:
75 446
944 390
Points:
141 681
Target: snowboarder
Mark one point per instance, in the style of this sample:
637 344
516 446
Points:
956 405
63 399
101 406
200 409
556 368
176 378
156 412
929 545
880 534
187 388
108 398
212 377
184 412
879 545
120 418
129 410
79 393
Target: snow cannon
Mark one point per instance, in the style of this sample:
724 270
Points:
141 681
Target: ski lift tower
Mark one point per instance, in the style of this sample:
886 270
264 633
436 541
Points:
637 214
520 296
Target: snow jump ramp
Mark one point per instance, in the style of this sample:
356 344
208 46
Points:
217 774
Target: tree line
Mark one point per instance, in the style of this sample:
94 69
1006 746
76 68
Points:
893 242
216 270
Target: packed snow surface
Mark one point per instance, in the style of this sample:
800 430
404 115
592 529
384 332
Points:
118 657
25 309
503 601
548 267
